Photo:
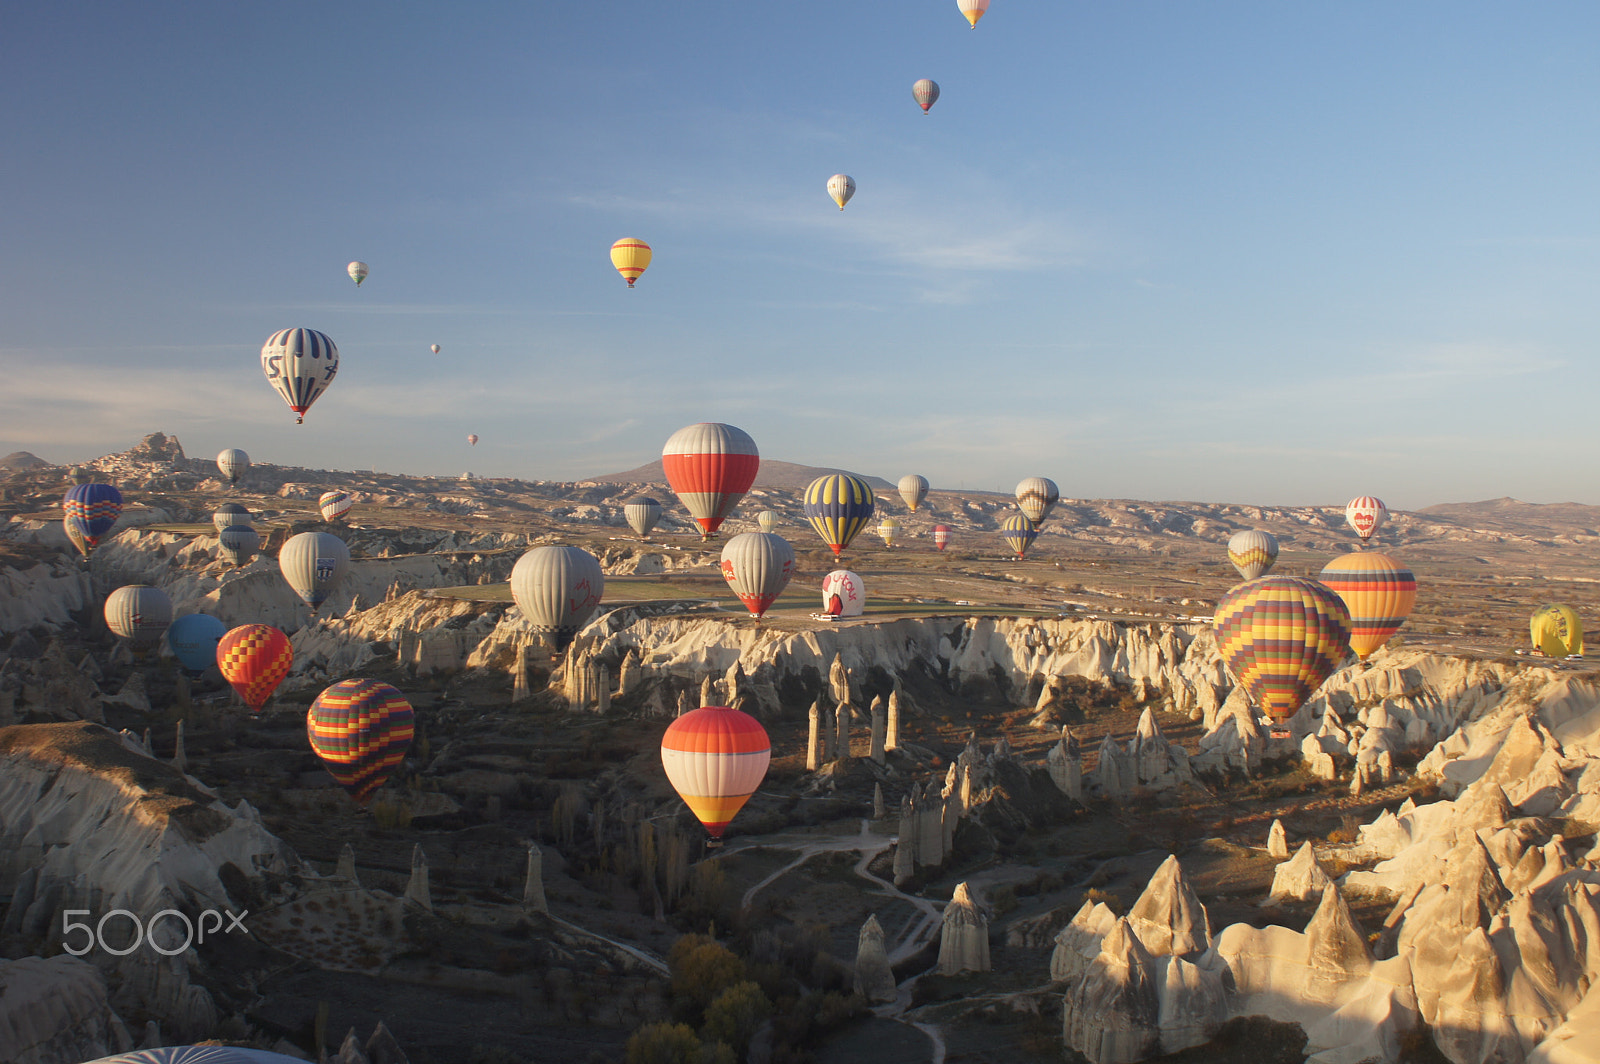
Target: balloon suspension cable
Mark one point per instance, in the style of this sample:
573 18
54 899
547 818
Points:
301 420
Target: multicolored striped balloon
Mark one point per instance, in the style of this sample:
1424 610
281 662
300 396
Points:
1019 533
1366 515
710 466
1379 592
715 758
838 506
299 364
1253 552
1281 638
334 504
1556 631
254 658
361 729
89 511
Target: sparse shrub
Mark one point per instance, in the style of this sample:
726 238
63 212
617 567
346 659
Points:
391 815
1104 897
663 1043
1004 899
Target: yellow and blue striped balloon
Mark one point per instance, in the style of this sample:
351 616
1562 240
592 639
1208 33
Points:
1281 638
838 507
1019 533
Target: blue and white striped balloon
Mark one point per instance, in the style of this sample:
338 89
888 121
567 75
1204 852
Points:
300 364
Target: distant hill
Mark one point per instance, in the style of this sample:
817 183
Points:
773 474
19 460
1523 518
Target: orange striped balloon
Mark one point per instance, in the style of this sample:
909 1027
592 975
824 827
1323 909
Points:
361 729
254 658
1281 637
1380 593
715 759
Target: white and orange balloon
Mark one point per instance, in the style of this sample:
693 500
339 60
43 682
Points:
715 758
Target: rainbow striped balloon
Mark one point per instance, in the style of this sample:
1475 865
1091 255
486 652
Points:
1379 592
715 759
361 729
1281 638
838 507
88 512
1019 533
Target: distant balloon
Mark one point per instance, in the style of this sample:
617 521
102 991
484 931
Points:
1036 497
843 594
642 513
715 758
913 489
631 257
89 512
357 272
229 513
841 187
233 463
767 520
757 566
238 544
838 506
1019 533
300 364
254 658
1281 638
194 638
139 613
472 439
314 563
434 349
710 466
973 9
1253 552
557 588
1379 593
926 93
941 536
1556 631
334 504
361 730
889 531
1366 515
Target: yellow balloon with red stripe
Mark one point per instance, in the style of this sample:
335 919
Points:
1380 593
715 759
630 256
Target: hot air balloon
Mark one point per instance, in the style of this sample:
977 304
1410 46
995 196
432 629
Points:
313 563
841 187
1253 552
254 658
229 514
1366 515
434 349
889 531
838 506
557 588
139 613
715 759
335 504
926 93
1019 533
1556 631
361 729
973 9
357 272
472 439
233 463
767 520
1281 637
631 257
843 594
642 512
300 364
941 536
1036 497
913 489
193 639
89 512
1379 593
757 566
238 544
710 466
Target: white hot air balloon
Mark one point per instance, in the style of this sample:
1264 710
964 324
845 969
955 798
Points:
757 566
229 513
843 594
1036 497
139 613
926 93
357 272
913 489
1253 552
973 10
841 187
472 439
233 463
238 544
557 588
300 364
1366 514
642 513
435 349
767 520
314 563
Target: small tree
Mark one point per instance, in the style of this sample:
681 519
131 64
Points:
664 1043
735 1015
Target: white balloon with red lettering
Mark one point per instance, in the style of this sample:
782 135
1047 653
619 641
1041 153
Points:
757 567
843 594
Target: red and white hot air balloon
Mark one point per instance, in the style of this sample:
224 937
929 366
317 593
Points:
757 566
715 759
710 466
941 536
1366 515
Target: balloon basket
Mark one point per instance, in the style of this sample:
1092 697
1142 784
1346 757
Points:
1279 733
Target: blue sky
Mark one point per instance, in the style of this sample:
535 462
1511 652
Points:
1251 252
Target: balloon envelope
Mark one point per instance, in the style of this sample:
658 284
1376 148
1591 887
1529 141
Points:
710 466
757 566
254 658
193 639
1556 631
1281 638
1253 552
434 349
715 758
361 729
767 520
1019 533
889 531
89 511
631 257
913 489
1366 515
139 613
238 544
973 9
357 272
941 536
233 463
335 504
300 364
841 187
313 563
1036 497
838 506
557 588
1379 593
197 1055
642 514
229 514
926 93
843 594
472 439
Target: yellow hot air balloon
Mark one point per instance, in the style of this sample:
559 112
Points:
1281 637
973 9
1556 631
1379 592
630 256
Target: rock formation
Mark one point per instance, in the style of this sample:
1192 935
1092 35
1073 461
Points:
1277 841
964 936
1299 879
873 978
533 885
417 886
